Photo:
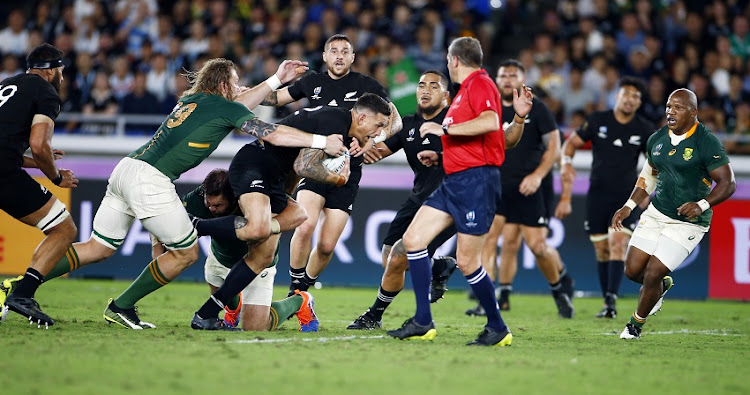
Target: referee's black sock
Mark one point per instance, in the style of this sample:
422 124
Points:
603 268
28 285
238 278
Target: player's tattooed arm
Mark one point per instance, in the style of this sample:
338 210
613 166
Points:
309 164
513 134
256 127
271 100
395 124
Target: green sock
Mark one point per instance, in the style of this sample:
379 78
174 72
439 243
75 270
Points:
149 281
637 322
284 309
234 303
66 264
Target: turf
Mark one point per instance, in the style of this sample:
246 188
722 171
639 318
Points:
690 347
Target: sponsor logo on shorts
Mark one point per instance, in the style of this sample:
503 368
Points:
470 217
44 190
264 274
351 206
692 237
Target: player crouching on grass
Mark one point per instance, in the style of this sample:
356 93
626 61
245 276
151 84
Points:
214 198
683 158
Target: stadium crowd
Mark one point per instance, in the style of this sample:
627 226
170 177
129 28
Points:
127 56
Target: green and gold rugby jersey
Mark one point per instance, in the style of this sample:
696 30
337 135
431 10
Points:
191 132
227 252
684 169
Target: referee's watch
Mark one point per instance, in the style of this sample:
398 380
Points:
445 129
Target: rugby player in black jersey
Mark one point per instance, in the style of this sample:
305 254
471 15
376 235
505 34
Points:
338 86
29 104
618 137
432 105
522 211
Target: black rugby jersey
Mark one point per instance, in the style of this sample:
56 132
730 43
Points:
322 90
426 179
615 149
525 157
315 120
21 97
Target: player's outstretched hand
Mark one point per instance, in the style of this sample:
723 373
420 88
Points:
691 210
522 101
291 69
58 153
430 128
563 209
620 216
69 179
428 158
335 145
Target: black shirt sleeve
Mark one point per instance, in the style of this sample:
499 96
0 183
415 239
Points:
586 132
47 101
298 89
394 142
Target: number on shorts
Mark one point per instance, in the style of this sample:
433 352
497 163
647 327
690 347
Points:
6 93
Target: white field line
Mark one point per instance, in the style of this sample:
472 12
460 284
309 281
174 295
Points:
709 332
307 339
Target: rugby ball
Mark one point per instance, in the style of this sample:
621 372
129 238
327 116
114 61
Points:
335 164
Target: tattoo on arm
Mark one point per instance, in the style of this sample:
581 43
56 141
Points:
256 127
271 100
512 131
309 164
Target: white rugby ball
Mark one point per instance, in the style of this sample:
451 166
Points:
335 164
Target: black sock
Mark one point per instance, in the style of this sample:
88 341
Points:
603 276
382 302
616 271
222 227
505 290
238 278
563 271
297 276
556 286
308 281
31 280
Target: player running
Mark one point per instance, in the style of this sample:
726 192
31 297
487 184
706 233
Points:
683 159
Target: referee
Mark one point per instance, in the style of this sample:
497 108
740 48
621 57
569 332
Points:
29 104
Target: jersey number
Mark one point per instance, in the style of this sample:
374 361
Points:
6 93
180 115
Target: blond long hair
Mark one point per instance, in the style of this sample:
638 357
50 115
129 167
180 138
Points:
210 77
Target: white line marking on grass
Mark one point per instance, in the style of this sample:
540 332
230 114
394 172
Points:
710 332
310 339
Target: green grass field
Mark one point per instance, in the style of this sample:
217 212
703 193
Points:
690 347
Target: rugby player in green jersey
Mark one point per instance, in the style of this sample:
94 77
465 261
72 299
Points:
141 184
683 159
215 198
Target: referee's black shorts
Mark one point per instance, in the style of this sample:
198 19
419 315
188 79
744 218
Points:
20 195
403 219
253 169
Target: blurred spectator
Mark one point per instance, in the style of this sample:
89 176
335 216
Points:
402 28
653 104
158 79
14 39
162 40
740 38
140 100
610 88
734 97
121 80
739 140
576 96
639 61
424 54
10 67
403 78
101 101
629 35
43 21
85 76
594 38
86 37
718 75
137 26
180 86
594 77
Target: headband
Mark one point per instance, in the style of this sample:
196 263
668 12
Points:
44 64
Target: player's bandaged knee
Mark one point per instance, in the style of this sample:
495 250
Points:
646 179
55 216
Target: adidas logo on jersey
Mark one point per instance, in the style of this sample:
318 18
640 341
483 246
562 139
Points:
350 206
617 143
426 141
333 103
